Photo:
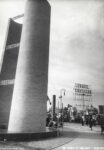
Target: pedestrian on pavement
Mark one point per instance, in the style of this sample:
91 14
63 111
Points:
83 120
90 122
87 120
102 124
94 120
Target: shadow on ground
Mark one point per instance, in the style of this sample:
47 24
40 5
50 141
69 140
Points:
50 143
66 135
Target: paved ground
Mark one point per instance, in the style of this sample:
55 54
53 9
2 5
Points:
87 139
73 136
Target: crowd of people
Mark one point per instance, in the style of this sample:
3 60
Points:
93 120
54 121
89 120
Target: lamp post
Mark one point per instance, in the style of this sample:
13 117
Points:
83 102
62 91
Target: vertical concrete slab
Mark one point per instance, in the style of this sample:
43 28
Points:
28 110
8 70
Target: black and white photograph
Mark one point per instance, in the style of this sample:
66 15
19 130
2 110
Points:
51 74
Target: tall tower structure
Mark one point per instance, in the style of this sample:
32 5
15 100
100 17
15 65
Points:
28 109
8 69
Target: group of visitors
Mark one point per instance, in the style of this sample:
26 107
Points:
91 120
88 120
55 121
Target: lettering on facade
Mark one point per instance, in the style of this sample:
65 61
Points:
82 89
12 46
83 96
7 82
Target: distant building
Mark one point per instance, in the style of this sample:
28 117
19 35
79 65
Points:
82 96
8 69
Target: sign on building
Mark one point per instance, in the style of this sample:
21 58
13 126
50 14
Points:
83 96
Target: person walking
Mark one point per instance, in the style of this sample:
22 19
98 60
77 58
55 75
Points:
102 124
83 120
90 122
87 120
94 120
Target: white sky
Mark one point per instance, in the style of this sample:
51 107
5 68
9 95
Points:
76 44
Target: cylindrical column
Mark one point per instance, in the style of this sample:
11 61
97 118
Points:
28 110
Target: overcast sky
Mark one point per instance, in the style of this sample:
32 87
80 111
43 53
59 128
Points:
76 44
